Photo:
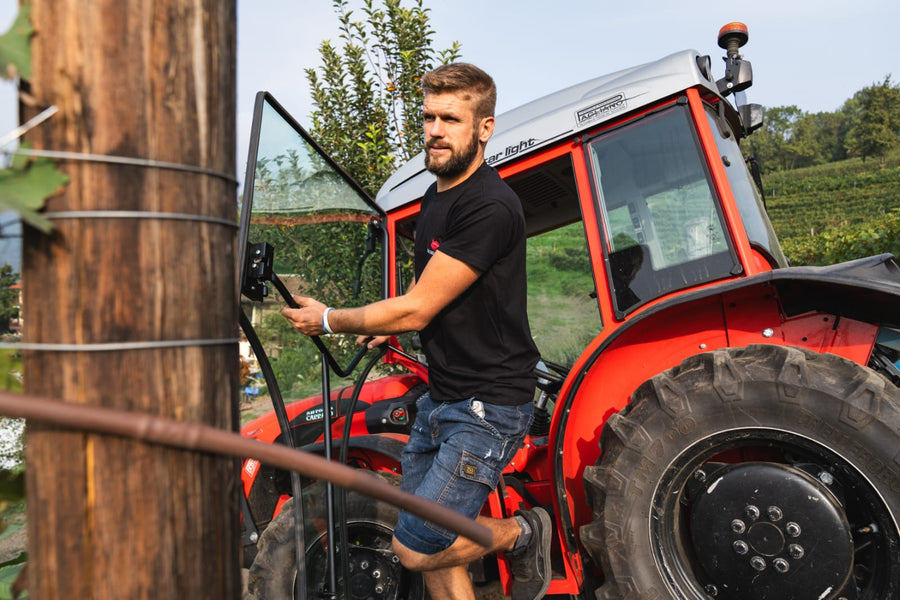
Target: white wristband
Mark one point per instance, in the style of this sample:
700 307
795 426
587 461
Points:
325 324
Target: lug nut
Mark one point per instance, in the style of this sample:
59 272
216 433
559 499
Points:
774 513
781 565
792 529
376 574
379 589
395 559
752 512
738 526
700 475
796 551
826 477
364 565
758 563
740 547
711 590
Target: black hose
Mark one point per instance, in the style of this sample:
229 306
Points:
342 458
285 425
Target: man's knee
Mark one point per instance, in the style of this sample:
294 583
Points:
410 559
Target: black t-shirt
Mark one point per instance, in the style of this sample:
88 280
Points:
480 344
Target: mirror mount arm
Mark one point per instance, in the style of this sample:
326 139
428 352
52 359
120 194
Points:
258 273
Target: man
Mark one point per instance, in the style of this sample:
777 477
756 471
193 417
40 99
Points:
468 303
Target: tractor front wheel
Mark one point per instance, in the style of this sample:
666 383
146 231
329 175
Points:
765 472
374 570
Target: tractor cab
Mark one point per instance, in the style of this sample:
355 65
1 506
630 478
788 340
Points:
633 185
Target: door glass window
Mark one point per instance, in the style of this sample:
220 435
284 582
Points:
326 236
663 225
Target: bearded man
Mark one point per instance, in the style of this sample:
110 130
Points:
468 302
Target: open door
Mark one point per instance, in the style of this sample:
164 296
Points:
325 234
305 228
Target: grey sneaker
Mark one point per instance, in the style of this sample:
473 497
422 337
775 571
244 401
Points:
530 566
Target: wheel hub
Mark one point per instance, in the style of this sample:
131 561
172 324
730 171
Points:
765 530
372 573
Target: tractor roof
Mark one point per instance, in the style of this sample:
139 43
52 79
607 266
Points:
561 115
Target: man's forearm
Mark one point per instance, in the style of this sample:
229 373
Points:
443 279
385 317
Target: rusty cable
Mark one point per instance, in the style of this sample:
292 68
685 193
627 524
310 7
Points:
203 438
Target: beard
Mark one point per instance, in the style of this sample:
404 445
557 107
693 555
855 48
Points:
458 161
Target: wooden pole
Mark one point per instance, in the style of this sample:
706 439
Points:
124 280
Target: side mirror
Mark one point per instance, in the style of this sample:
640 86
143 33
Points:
751 117
257 271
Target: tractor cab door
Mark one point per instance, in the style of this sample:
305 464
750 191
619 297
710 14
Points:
303 218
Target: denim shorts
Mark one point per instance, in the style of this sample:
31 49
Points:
455 455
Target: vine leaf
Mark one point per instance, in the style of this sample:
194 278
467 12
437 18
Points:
25 186
15 46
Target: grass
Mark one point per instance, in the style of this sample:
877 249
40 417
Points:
563 316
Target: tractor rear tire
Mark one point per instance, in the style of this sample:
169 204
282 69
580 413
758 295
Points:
765 472
375 571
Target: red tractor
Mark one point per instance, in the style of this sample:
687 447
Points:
710 422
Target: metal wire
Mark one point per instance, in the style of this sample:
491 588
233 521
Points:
113 346
136 214
123 160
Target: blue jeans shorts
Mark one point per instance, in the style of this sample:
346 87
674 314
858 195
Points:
455 455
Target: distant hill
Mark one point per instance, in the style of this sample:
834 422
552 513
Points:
837 211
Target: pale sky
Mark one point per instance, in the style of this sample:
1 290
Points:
811 53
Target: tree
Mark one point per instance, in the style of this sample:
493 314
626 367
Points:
775 144
874 114
367 93
792 138
821 136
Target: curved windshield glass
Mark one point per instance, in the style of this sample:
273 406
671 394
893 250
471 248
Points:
663 225
746 195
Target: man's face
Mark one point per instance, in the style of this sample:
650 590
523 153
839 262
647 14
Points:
453 136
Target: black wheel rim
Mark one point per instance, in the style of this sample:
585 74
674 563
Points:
875 547
375 571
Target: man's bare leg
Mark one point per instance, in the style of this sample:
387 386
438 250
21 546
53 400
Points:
451 583
446 573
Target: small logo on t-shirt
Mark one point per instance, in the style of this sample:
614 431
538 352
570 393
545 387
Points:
435 244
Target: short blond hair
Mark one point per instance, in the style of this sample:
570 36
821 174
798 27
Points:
474 83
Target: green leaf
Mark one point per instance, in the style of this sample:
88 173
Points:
15 46
24 189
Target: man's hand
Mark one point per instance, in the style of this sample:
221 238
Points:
308 318
372 342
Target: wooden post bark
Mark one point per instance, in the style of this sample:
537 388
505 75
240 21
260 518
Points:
149 79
